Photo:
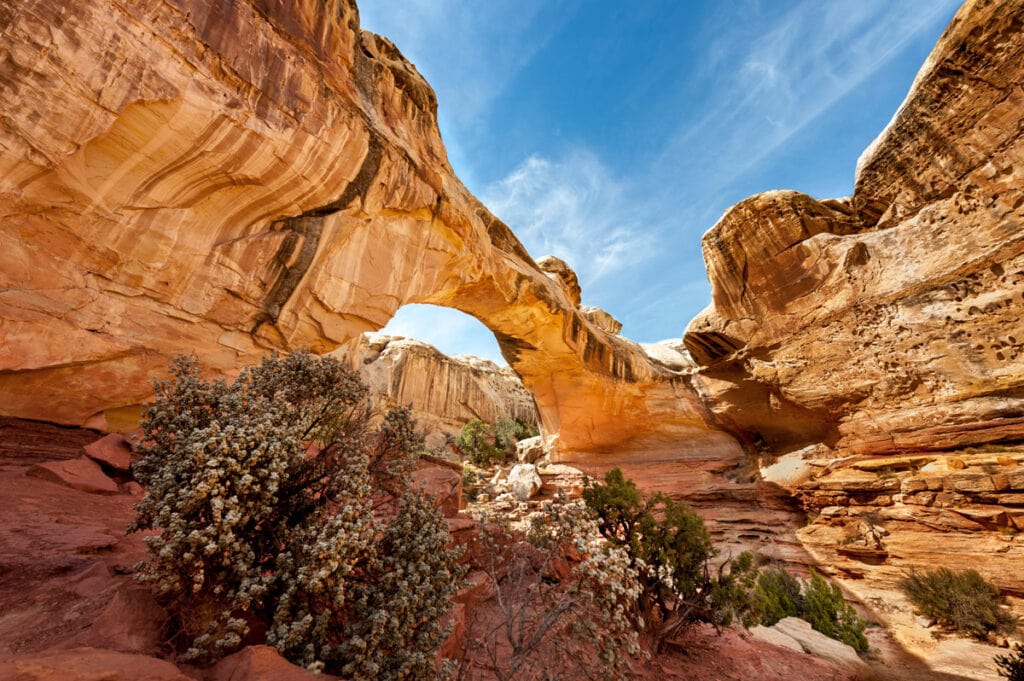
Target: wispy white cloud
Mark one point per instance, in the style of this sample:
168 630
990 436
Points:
633 235
800 64
469 52
575 209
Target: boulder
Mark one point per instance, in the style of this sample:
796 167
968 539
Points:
530 450
441 484
524 481
132 622
819 645
82 474
261 663
113 451
775 637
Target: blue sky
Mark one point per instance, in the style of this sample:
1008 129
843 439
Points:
614 134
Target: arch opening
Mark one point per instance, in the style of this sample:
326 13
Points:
451 331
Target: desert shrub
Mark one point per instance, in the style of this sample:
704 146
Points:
962 601
509 431
487 444
777 595
564 589
476 440
1011 665
766 596
668 548
263 493
828 612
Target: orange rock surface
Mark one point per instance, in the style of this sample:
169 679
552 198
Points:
229 178
889 321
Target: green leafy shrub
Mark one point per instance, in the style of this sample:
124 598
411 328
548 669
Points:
509 431
828 612
668 548
485 444
767 596
259 531
776 596
962 601
1011 665
476 440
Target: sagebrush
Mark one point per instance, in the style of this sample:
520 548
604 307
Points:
263 492
959 600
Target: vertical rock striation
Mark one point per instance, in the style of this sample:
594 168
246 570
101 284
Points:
444 393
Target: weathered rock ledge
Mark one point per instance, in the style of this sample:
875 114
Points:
888 321
240 176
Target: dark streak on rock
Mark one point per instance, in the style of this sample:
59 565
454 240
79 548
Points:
511 348
304 234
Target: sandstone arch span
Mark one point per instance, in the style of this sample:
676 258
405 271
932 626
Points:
234 177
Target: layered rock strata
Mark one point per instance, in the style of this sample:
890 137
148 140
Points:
228 178
888 321
876 340
444 393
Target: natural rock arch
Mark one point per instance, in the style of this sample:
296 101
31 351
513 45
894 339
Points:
263 175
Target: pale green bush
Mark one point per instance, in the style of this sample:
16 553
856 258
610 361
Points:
255 532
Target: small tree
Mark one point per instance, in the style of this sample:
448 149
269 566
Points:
962 601
509 431
260 531
828 612
476 440
766 596
668 547
563 589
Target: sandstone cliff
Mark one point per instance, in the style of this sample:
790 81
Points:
878 338
231 177
891 320
444 393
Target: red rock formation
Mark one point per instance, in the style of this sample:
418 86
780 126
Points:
444 393
884 330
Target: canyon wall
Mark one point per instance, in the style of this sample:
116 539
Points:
889 321
233 177
443 393
877 341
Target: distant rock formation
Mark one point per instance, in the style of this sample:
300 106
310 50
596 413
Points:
444 393
233 177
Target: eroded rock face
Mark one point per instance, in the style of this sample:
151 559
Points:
228 178
878 338
444 393
889 321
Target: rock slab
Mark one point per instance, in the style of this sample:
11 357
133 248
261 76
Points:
82 474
